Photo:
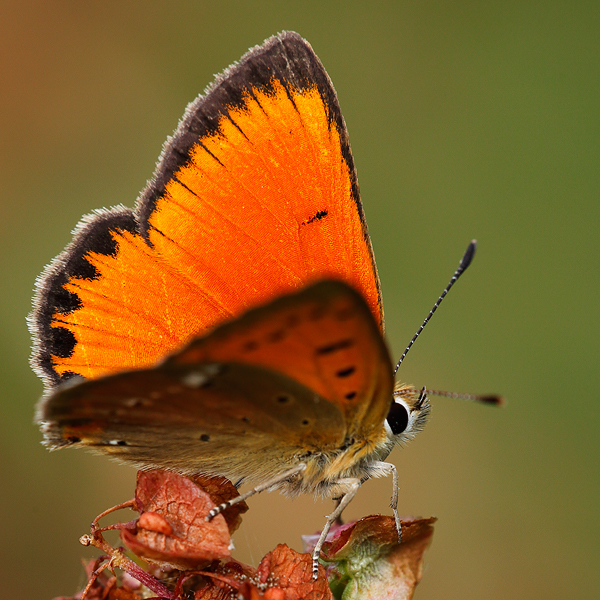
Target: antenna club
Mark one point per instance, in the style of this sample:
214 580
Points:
495 400
469 254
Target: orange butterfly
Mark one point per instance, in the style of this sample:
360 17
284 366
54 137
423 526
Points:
247 263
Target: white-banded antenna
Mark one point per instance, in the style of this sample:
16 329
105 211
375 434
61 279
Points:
464 263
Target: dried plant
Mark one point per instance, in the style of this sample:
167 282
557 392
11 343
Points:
185 557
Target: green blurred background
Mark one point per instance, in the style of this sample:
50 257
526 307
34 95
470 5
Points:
467 119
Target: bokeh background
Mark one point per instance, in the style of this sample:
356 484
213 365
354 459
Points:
467 119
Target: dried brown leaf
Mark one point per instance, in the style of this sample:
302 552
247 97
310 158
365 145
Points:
283 574
288 575
172 529
220 489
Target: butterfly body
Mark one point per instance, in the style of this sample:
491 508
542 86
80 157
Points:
232 324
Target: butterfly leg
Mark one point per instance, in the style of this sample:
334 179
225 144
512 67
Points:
388 468
351 485
256 490
338 521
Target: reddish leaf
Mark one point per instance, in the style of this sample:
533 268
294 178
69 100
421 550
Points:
214 592
289 576
154 522
367 563
283 574
213 589
221 581
172 529
220 489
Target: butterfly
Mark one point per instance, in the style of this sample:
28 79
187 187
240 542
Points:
231 323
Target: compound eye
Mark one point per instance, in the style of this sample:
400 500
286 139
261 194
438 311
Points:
398 417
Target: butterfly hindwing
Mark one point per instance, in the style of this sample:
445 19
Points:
212 418
228 398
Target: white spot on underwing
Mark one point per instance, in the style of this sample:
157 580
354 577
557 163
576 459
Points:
200 377
194 379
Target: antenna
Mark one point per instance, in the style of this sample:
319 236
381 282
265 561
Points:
424 394
464 263
485 398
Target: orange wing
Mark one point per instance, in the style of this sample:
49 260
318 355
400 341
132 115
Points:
255 195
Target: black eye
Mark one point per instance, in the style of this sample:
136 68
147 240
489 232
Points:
397 418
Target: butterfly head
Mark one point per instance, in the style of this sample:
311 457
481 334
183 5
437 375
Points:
408 413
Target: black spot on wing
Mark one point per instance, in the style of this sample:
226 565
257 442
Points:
250 346
346 372
62 341
321 214
335 347
276 336
68 375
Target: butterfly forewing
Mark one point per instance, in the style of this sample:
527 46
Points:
255 196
